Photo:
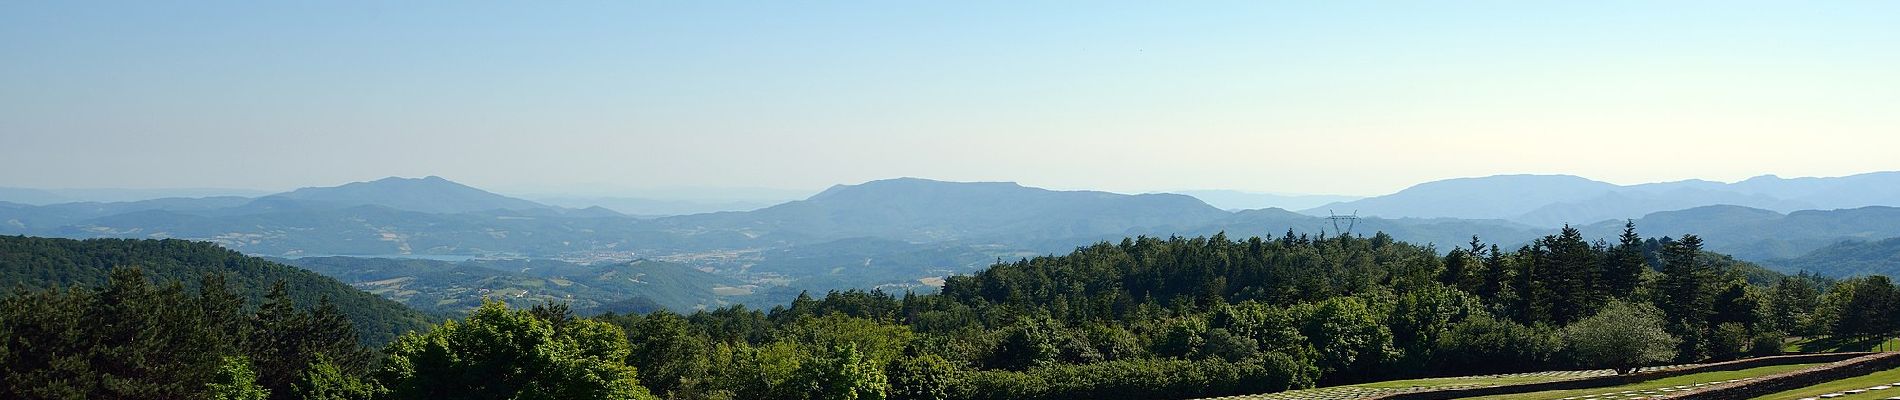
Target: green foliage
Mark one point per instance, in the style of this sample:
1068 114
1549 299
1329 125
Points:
1688 298
1027 344
1768 343
1425 314
43 263
127 339
1793 302
1728 341
878 342
1143 318
1483 344
753 372
283 341
498 353
1622 336
842 373
666 351
1138 380
1349 337
235 381
926 377
324 380
1863 307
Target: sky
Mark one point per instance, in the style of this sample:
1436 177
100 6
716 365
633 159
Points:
1335 97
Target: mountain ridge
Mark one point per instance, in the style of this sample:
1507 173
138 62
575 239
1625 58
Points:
1553 200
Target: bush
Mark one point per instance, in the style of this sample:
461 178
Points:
466 359
1728 341
1766 344
1622 336
1139 379
1482 344
920 378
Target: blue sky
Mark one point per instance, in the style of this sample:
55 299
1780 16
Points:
1308 97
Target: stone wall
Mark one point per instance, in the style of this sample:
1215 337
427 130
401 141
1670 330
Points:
1796 379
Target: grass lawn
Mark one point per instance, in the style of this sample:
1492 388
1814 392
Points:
1691 379
1887 377
1835 345
1360 390
1462 381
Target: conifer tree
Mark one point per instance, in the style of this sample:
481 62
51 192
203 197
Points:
1623 270
1686 294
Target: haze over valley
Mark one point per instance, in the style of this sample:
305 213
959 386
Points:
908 233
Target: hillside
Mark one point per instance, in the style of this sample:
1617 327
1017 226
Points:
1847 258
1493 197
898 232
457 287
31 262
1243 200
1553 200
428 194
925 210
1755 234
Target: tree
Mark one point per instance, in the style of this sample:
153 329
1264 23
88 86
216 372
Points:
498 353
1422 315
1027 344
667 351
879 342
1728 341
1623 269
842 373
1865 307
324 380
236 381
1182 338
1574 276
283 342
1622 336
1687 299
1482 344
1348 336
926 377
1791 303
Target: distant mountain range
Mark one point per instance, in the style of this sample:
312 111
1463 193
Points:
1552 200
1235 200
40 197
921 210
647 207
429 194
908 232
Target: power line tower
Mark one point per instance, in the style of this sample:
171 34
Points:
1349 221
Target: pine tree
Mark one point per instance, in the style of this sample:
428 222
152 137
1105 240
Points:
1574 277
1687 297
1497 276
1623 271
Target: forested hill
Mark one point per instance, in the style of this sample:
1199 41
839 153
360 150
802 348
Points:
1141 318
34 263
1848 258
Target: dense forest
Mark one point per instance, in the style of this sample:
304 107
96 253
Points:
45 263
1140 319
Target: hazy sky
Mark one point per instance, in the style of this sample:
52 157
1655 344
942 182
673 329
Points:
1307 97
